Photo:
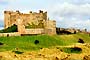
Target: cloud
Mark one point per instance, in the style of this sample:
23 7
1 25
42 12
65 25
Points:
67 9
71 15
74 22
77 2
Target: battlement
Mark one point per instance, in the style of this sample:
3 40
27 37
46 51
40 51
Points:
17 11
8 12
40 11
11 12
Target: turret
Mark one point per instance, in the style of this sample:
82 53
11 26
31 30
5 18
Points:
7 12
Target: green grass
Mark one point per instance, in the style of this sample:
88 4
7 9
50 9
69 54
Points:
26 43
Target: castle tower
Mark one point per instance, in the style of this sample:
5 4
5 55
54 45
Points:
6 19
21 27
50 27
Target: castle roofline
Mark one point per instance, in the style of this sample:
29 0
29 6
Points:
17 11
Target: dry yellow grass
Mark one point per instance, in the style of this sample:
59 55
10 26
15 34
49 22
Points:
47 54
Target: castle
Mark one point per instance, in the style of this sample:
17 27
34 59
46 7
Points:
30 23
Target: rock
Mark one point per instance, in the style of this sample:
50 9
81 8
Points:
86 57
0 57
66 58
56 58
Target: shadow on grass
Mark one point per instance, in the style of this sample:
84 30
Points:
1 43
72 50
18 52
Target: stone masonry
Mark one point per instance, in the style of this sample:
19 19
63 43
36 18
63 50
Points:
23 19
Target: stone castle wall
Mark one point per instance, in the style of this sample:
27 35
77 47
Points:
50 27
11 17
9 34
34 31
23 19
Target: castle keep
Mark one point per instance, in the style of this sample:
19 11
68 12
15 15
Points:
30 23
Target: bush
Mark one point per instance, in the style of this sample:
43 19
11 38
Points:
13 28
36 42
1 43
18 52
80 40
72 50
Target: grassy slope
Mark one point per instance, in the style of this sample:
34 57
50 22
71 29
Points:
27 42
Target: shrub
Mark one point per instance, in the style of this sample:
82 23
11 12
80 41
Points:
72 50
36 42
13 28
1 43
80 40
18 52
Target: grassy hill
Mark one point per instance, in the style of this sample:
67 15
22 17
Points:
27 43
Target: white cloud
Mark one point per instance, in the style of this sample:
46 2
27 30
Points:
67 9
75 1
74 23
71 15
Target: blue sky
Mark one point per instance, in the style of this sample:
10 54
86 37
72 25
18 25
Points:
67 13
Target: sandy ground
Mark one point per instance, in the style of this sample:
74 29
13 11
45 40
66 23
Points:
49 54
